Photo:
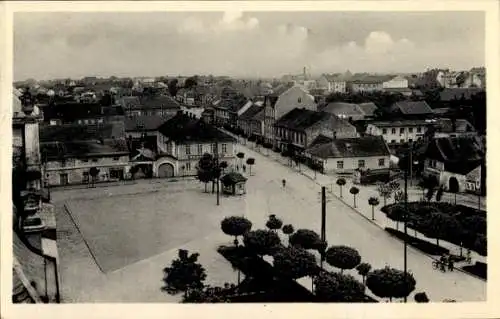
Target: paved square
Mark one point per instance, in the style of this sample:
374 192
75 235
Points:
124 229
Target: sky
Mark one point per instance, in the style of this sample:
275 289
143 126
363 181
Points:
246 44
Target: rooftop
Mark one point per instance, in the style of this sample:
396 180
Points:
251 112
144 123
400 123
351 147
76 132
460 154
412 107
184 129
449 94
301 119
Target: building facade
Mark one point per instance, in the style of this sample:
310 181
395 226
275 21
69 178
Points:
398 132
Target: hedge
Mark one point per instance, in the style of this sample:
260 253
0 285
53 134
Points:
420 244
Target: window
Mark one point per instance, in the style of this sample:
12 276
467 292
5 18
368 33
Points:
85 160
299 100
188 166
188 149
393 131
94 160
393 141
212 148
361 163
85 177
401 130
384 131
224 148
200 149
340 164
116 158
116 173
419 129
63 178
381 162
410 130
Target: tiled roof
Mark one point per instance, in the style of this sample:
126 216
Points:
82 149
349 109
184 129
351 147
321 139
368 108
251 112
301 119
371 79
144 123
75 132
412 107
449 94
459 154
280 89
446 125
401 123
149 102
232 178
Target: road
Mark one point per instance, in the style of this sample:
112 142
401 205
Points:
299 205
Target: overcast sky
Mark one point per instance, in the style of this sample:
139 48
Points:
257 44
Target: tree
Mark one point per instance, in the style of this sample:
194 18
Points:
384 191
421 297
274 223
304 238
206 170
184 274
93 172
191 82
354 191
261 242
373 201
223 165
440 226
335 287
173 87
341 182
399 197
439 194
250 163
240 155
209 294
363 270
235 226
295 263
342 257
397 213
288 229
390 283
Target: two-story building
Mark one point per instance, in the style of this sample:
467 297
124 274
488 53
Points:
252 120
400 131
181 142
347 155
456 163
155 104
70 151
374 83
283 100
412 110
333 83
299 127
451 127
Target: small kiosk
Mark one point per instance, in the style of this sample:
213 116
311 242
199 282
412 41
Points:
233 184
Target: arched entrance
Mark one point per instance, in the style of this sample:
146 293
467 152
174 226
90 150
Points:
453 185
165 170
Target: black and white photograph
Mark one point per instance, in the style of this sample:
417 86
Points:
232 155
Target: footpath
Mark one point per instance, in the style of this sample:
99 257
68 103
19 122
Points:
362 206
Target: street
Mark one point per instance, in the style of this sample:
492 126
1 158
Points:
299 205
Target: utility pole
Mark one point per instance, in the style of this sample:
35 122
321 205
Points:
323 220
216 168
411 163
405 228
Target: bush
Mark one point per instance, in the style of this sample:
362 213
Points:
295 263
342 257
335 287
390 283
235 226
479 269
304 238
421 297
420 244
261 242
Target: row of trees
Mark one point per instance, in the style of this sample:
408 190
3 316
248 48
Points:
294 261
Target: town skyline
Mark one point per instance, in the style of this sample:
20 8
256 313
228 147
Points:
243 44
